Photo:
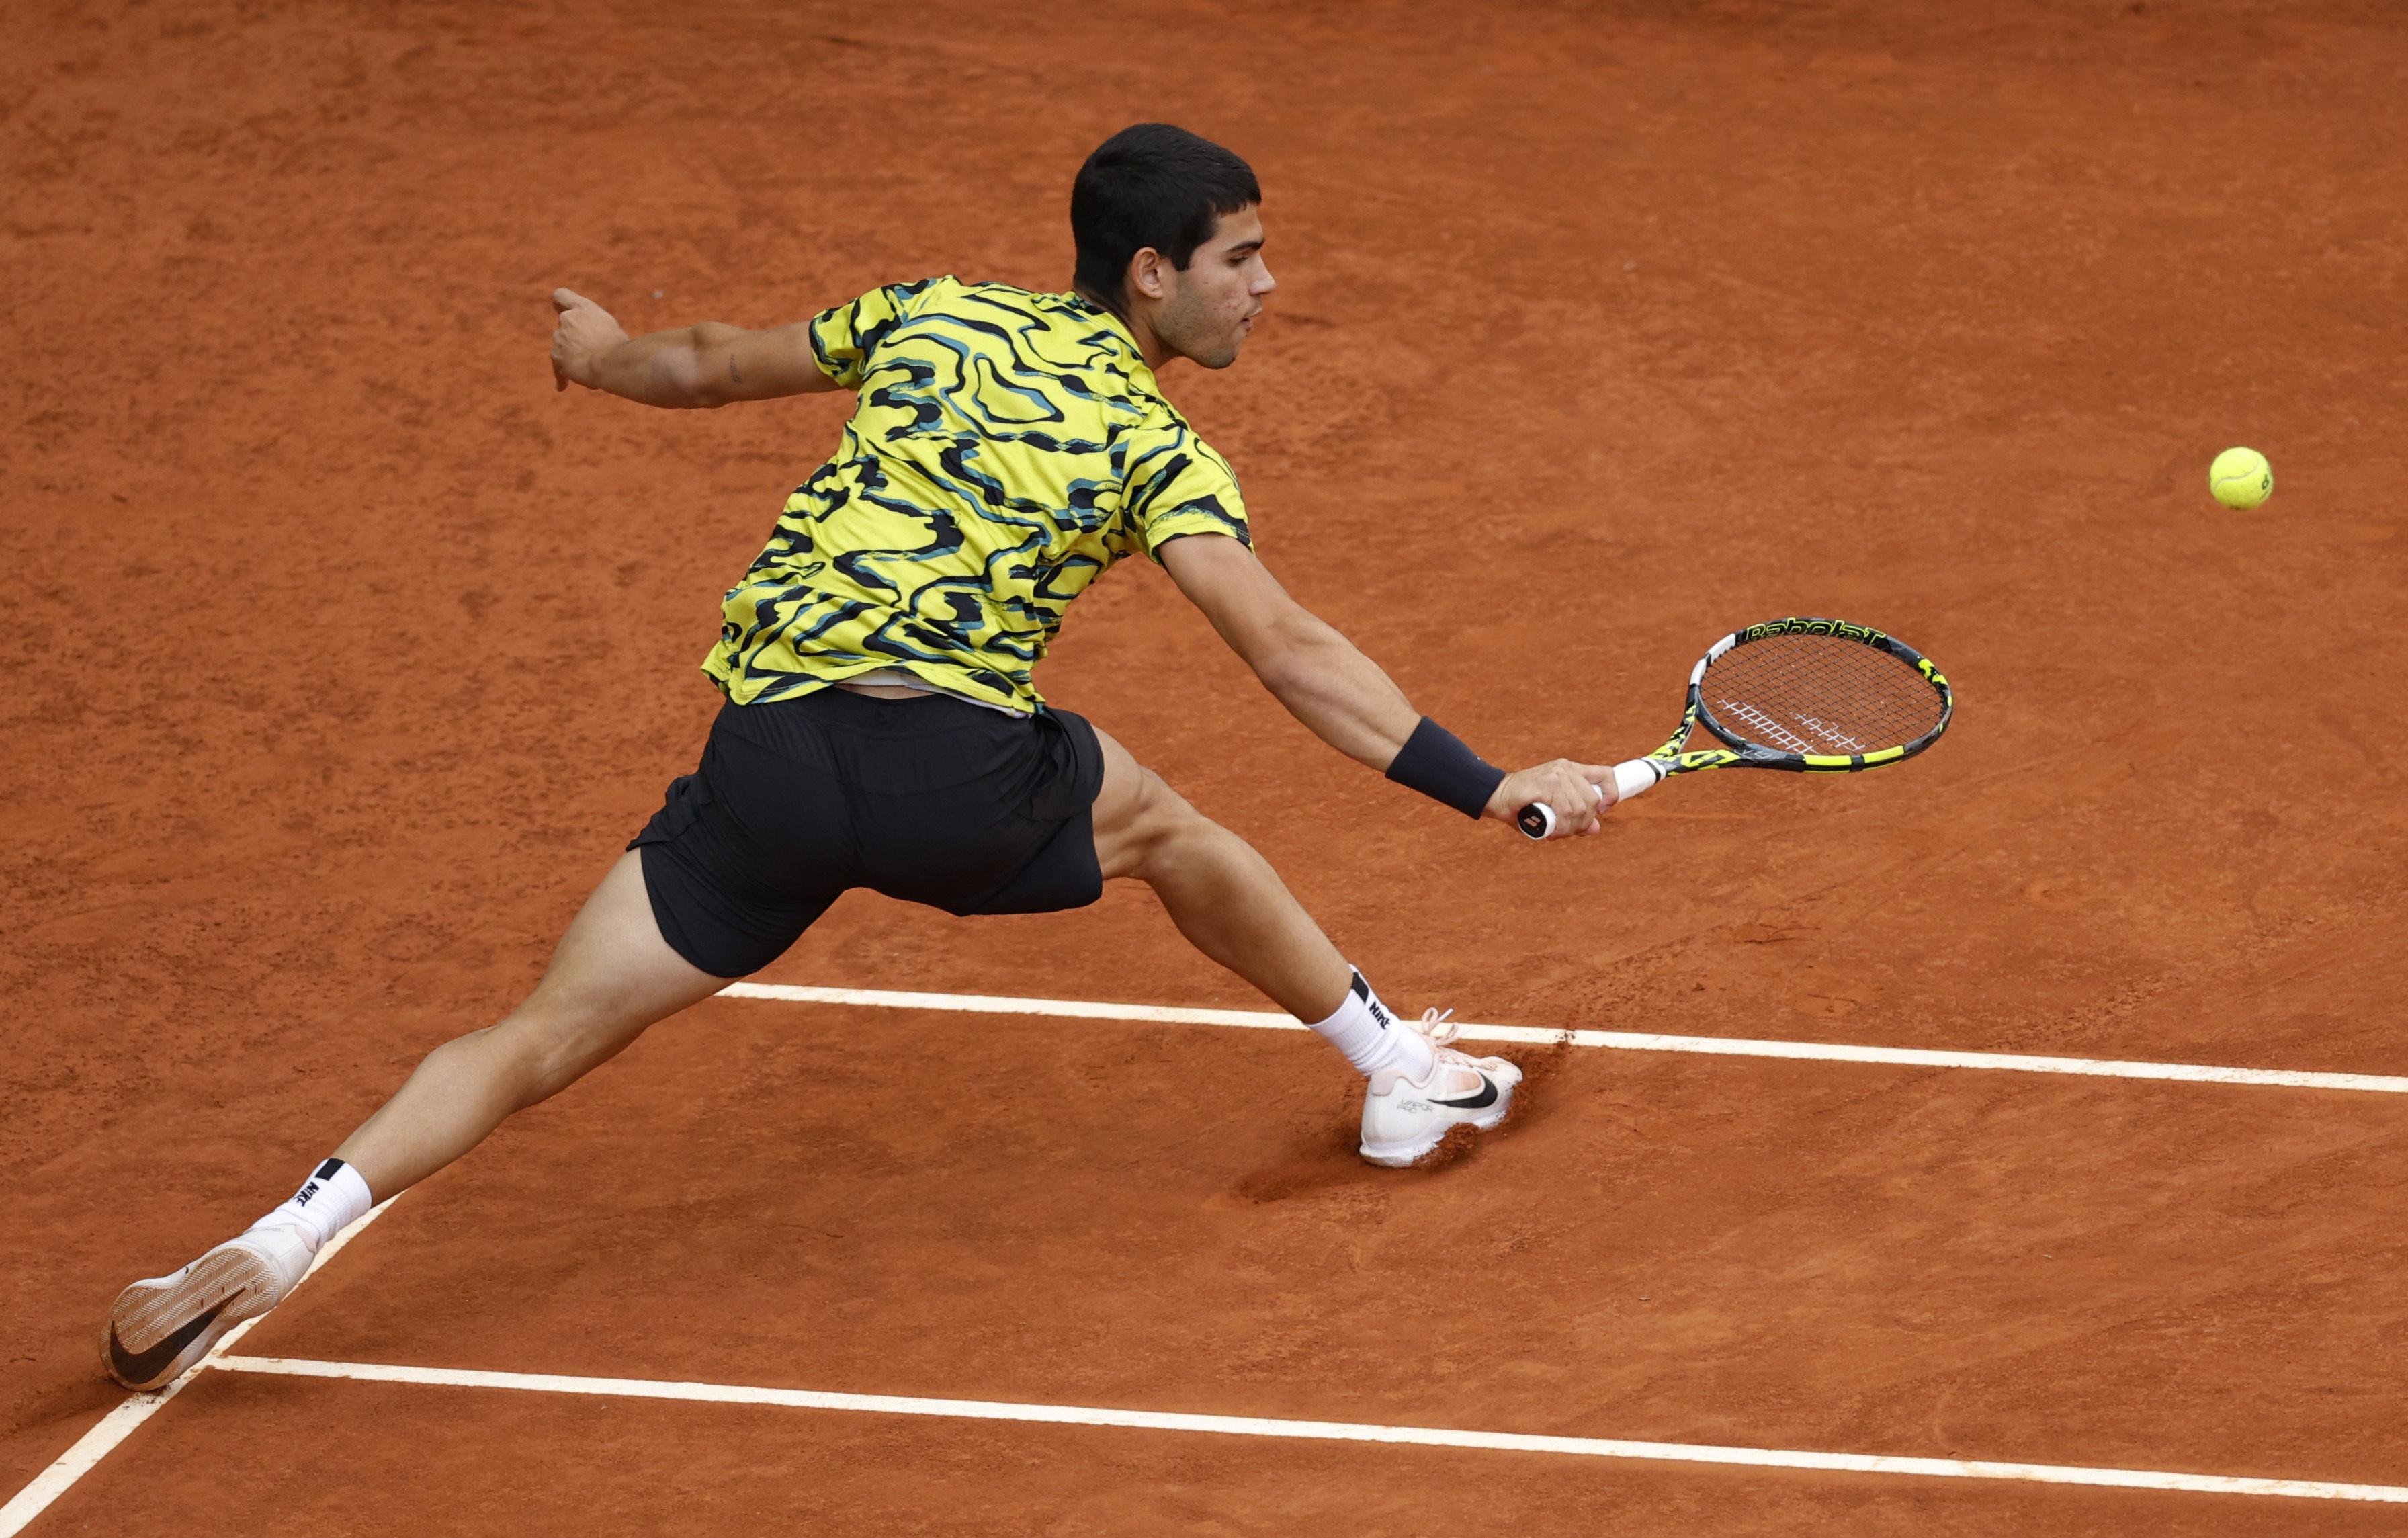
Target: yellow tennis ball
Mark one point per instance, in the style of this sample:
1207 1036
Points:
2240 479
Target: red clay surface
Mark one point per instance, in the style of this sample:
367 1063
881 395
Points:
340 656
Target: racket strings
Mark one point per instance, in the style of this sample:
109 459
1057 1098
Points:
1819 695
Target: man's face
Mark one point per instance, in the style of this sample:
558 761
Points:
1209 311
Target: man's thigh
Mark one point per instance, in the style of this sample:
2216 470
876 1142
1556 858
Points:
1134 811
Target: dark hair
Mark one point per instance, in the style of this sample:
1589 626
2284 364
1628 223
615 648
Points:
1151 184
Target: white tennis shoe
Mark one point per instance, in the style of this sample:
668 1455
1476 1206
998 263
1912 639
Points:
1403 1120
158 1328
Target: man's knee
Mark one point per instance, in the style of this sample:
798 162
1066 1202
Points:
555 1037
1149 821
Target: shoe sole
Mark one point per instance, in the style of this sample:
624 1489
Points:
1400 1156
159 1327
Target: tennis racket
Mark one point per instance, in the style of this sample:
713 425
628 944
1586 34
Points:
1822 696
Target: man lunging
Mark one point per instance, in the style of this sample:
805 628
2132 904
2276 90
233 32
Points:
882 729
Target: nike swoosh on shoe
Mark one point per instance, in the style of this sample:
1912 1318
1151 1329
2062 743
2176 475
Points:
142 1366
1487 1097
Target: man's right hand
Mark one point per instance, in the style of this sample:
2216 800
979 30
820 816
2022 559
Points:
1579 793
581 337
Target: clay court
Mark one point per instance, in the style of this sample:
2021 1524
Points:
341 656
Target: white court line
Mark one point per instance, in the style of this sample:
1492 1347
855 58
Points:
119 1424
1323 1431
979 1003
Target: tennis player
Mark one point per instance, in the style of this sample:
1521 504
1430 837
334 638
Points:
881 726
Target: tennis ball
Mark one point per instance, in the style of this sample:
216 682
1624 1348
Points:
2240 479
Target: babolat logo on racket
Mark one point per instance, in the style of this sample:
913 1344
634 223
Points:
1812 627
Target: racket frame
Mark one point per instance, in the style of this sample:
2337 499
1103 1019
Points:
1746 753
1675 757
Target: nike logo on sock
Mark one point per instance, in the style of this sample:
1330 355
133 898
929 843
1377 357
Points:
141 1367
1487 1097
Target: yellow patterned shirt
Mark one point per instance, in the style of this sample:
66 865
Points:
1007 447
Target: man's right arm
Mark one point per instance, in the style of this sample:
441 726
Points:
696 366
1345 696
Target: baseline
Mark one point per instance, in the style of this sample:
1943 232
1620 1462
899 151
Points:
1324 1430
1621 1041
119 1424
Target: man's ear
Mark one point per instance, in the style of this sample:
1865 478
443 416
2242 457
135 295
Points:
1145 273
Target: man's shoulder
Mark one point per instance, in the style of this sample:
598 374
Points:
1053 342
1067 316
1017 300
1158 417
950 297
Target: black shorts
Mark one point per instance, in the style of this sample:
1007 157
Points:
931 800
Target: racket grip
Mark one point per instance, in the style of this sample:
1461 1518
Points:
1630 777
1633 775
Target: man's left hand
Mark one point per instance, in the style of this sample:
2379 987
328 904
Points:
585 333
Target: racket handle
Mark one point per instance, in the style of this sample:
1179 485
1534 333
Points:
1630 777
1536 820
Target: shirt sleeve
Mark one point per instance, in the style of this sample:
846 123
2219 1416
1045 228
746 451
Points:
844 337
1177 484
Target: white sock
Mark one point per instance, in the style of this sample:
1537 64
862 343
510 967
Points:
326 1203
1373 1038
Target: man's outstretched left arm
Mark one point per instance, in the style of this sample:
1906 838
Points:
707 365
1347 699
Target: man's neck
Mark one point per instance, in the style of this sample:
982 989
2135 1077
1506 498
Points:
1149 346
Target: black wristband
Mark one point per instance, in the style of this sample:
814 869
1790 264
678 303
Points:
1435 762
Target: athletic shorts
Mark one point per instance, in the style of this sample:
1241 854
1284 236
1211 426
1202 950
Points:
932 801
